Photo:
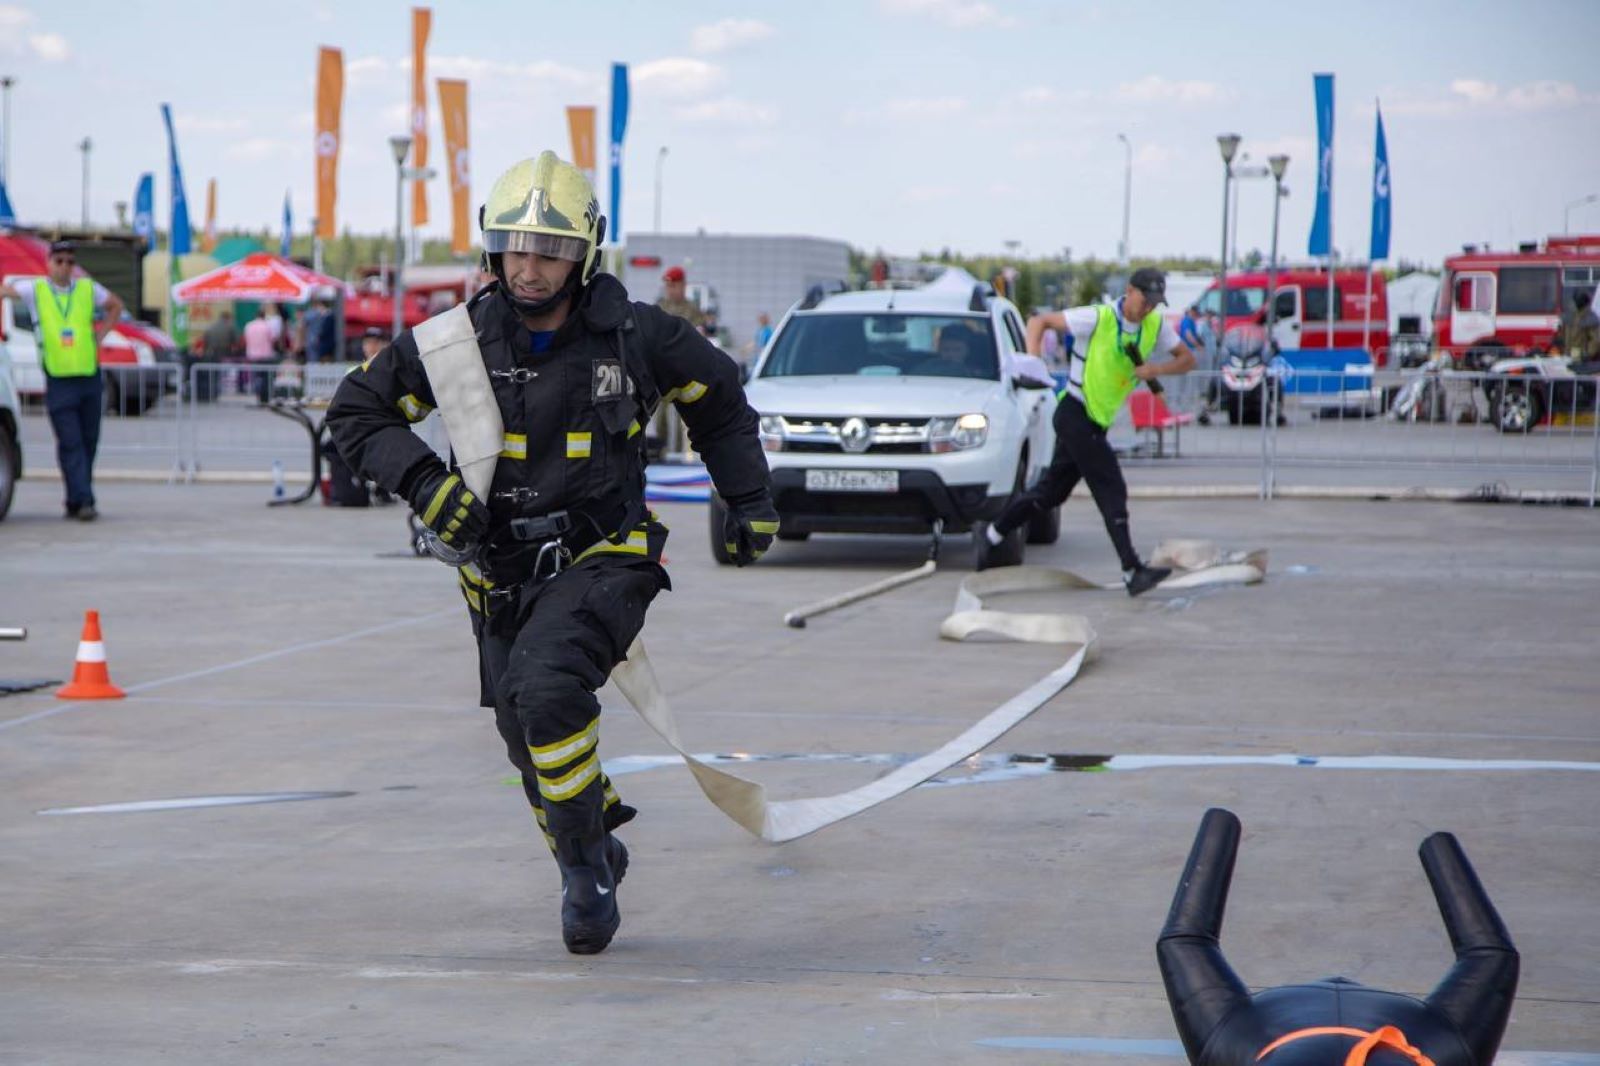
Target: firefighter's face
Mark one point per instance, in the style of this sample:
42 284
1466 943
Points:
535 277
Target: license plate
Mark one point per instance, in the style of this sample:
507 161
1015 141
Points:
852 481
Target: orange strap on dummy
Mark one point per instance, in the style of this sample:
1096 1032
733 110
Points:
1385 1036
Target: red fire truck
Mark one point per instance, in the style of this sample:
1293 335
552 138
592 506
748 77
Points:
1496 305
1301 316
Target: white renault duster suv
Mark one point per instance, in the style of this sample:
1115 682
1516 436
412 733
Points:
889 410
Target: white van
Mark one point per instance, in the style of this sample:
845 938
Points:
10 435
139 362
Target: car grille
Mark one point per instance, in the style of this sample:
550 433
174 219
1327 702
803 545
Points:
886 436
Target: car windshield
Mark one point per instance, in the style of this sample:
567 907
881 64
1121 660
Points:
888 345
1241 301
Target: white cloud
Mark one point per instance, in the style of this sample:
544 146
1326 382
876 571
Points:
927 194
484 73
50 47
1476 92
957 14
729 33
1540 95
728 111
368 70
1156 89
678 77
1474 96
15 39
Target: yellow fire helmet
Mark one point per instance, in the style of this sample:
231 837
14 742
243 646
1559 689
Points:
544 206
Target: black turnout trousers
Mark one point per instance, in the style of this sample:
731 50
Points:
541 662
1082 453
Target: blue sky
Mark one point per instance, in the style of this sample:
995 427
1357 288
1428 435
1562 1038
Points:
904 124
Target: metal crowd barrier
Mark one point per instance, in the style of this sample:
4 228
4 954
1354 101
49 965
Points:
1400 431
141 430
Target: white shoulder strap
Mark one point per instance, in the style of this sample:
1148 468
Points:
448 346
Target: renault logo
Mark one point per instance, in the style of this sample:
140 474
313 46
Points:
855 436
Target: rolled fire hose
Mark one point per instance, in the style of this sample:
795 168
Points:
448 346
776 821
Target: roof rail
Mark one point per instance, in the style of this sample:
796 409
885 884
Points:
981 295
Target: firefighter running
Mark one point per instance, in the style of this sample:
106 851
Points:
563 558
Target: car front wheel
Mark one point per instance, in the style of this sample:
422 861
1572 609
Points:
1517 410
10 451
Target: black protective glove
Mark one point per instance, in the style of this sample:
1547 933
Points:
749 527
445 505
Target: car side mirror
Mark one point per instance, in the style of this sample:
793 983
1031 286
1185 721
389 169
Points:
1021 382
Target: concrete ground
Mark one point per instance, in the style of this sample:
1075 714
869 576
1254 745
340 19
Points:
414 919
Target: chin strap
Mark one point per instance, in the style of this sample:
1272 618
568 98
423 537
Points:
569 288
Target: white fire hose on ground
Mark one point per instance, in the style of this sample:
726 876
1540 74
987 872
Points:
1197 564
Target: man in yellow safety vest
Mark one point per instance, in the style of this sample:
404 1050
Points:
71 316
1117 341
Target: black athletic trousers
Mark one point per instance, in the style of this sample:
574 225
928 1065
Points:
541 667
1082 452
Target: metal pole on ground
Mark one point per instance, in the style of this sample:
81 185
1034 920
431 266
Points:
1279 164
5 133
1227 144
85 146
400 146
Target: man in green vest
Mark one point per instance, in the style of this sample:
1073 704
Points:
70 318
1111 358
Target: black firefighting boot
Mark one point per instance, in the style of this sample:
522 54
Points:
591 870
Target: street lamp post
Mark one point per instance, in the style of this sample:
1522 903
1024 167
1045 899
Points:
400 146
84 146
1228 145
1566 218
6 83
1127 197
1279 164
661 158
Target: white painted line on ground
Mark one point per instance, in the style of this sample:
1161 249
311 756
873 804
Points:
252 660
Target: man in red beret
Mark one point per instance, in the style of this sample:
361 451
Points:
674 302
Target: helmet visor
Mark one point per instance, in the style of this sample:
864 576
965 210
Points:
572 249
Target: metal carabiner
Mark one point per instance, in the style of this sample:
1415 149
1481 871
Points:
519 376
558 554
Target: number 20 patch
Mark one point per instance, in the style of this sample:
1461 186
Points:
608 379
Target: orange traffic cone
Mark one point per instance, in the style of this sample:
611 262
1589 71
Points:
90 678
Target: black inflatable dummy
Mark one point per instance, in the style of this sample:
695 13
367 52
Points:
1334 1021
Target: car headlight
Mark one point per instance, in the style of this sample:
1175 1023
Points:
957 434
772 433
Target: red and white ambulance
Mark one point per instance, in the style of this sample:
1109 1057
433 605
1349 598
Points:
1301 315
1497 305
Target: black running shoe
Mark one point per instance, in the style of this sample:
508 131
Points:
1145 578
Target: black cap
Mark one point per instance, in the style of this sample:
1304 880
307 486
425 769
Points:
1151 282
63 247
375 333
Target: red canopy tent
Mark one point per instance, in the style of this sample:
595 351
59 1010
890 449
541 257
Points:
262 277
